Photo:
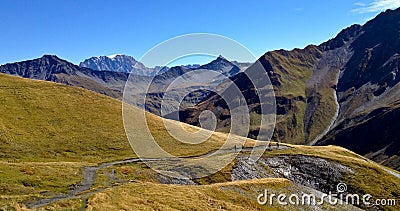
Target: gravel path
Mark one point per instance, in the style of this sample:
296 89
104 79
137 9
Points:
89 177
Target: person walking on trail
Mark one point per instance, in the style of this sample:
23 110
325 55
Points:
277 144
269 145
235 148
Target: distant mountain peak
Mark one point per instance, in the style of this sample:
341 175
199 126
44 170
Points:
43 68
50 57
114 55
222 65
118 63
221 57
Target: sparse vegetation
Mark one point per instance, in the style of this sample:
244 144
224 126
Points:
144 196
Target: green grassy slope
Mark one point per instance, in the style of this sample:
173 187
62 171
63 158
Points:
44 121
293 69
49 132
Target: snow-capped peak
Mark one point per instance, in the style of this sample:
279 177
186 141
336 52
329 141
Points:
113 56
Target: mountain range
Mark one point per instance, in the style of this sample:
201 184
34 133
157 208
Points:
128 64
52 68
106 74
341 92
63 145
119 63
112 72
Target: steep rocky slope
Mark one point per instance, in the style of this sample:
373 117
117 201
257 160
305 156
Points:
340 92
368 93
290 99
119 63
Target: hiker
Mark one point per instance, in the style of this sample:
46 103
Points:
277 144
269 145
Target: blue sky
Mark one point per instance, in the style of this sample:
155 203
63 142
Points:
75 30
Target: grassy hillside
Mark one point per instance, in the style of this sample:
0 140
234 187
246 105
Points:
45 121
51 133
292 70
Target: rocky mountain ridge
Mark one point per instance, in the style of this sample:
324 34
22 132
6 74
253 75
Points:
342 92
119 63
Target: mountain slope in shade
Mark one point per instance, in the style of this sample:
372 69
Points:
52 68
368 93
342 92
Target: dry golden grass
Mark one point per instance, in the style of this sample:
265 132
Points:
28 180
189 134
238 195
150 196
48 132
45 121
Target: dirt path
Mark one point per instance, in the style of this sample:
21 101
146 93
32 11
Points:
82 189
89 177
392 173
